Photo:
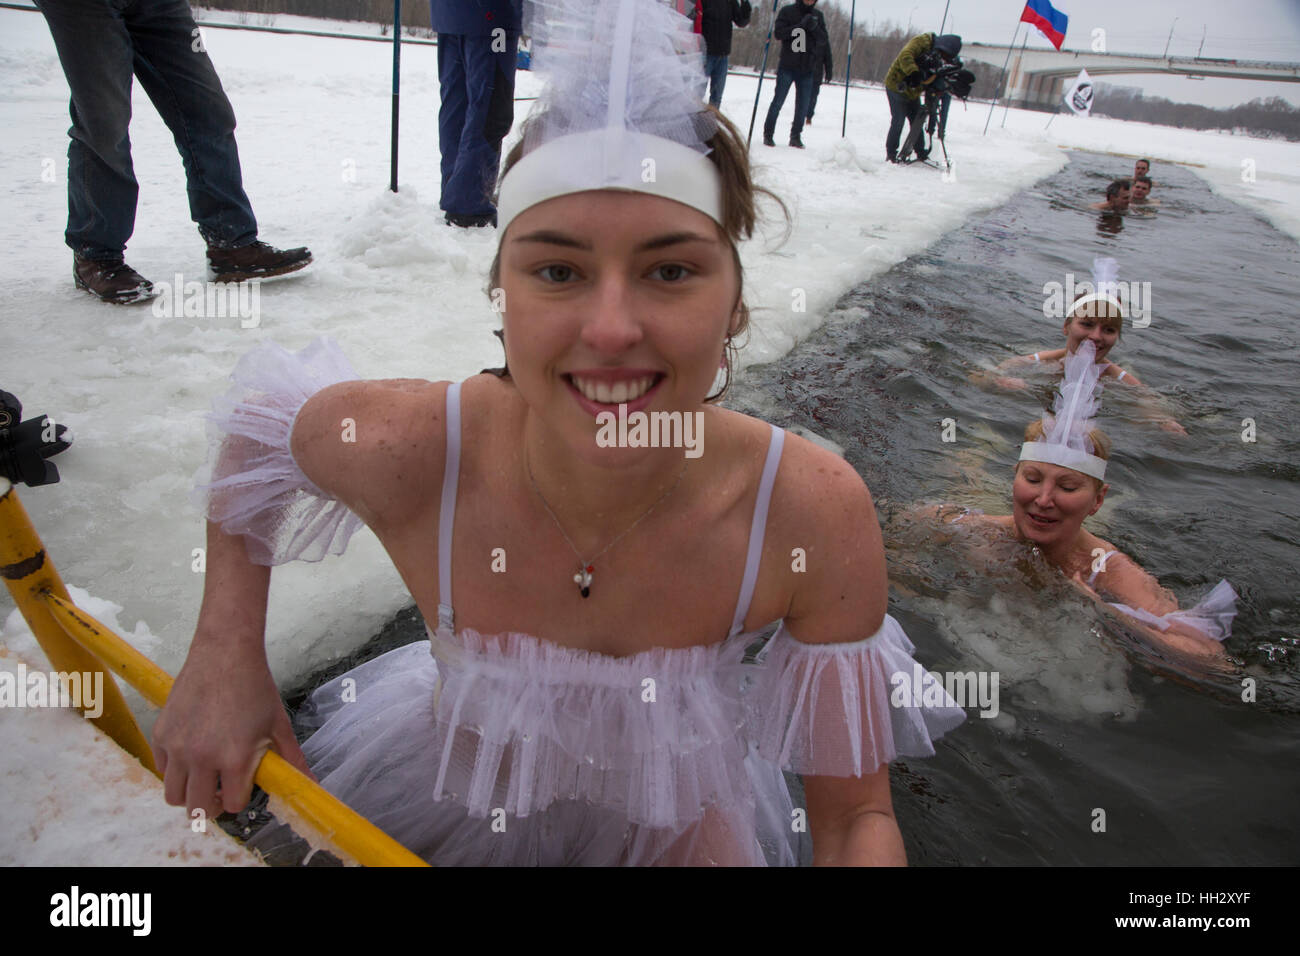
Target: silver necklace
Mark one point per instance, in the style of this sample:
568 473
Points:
587 568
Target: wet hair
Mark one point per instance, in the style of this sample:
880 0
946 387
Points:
729 153
1142 179
1114 188
1142 159
1101 444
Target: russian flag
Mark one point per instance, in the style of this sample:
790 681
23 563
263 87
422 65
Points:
1050 22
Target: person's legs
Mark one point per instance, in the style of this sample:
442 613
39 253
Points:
95 52
783 80
900 108
489 112
812 97
454 102
802 94
715 67
176 72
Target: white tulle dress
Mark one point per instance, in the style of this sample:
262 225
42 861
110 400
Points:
510 749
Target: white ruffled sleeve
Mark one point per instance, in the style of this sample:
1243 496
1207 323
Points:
1212 616
843 710
256 488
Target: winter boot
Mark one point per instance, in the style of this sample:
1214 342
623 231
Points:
112 280
256 260
796 142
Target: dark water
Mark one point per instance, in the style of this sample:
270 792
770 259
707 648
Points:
1183 769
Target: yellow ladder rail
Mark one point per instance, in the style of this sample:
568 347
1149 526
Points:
76 642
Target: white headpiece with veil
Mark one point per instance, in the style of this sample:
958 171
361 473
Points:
622 107
1065 439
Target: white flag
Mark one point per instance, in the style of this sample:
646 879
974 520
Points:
1079 97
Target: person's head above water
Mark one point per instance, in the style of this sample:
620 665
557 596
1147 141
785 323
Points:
1099 319
1141 168
1141 188
1050 501
1097 315
1119 192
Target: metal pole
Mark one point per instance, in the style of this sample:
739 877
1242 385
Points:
848 71
1169 38
944 21
763 69
397 60
1000 76
1021 60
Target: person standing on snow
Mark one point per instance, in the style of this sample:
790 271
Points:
713 20
906 80
801 28
100 45
476 71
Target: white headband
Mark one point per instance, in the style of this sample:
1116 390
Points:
595 159
1099 297
1065 457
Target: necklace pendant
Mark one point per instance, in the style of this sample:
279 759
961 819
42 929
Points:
583 580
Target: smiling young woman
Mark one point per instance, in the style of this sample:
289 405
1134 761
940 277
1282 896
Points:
591 691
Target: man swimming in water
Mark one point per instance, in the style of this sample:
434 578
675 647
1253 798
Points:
1142 168
1118 195
1141 192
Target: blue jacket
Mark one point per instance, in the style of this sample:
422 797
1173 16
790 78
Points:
475 18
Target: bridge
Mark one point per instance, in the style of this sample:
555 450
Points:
1037 79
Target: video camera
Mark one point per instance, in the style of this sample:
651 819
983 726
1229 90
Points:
950 76
24 445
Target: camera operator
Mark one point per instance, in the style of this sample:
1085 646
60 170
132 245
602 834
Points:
914 69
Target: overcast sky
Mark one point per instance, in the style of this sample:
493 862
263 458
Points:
1242 29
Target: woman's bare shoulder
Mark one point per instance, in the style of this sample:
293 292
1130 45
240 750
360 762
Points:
372 444
823 527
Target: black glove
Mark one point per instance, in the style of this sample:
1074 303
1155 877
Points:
913 79
809 21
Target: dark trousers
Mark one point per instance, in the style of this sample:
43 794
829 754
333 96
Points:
101 44
715 68
812 97
901 111
478 101
803 90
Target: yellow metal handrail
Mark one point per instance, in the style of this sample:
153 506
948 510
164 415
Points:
77 643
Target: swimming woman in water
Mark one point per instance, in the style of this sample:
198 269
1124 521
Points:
1059 482
607 712
1098 318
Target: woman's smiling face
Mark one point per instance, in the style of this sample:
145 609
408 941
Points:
1104 332
614 297
1050 502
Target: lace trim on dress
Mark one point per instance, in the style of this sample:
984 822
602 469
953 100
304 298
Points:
826 709
1212 616
256 488
524 722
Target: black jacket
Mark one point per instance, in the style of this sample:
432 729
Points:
815 40
717 19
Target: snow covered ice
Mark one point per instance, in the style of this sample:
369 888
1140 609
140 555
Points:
405 296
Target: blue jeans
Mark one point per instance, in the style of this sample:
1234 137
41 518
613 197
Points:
478 101
803 92
101 43
715 68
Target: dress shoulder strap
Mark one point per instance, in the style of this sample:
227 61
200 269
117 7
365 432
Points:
447 514
1104 558
758 527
